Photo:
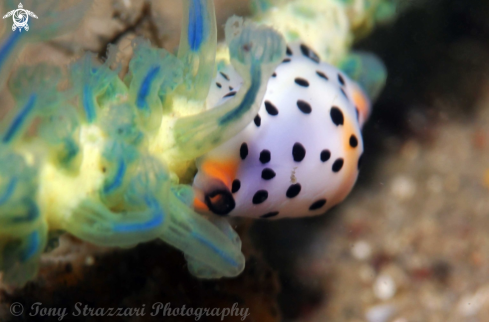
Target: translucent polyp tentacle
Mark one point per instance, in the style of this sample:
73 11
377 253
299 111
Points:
22 228
34 89
17 217
144 217
118 162
120 123
94 222
207 236
116 93
21 119
60 130
52 18
255 52
18 185
367 70
7 189
202 242
153 74
9 48
91 80
120 153
20 254
197 48
203 269
185 193
224 226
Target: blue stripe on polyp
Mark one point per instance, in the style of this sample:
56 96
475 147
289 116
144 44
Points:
146 87
195 25
89 103
158 216
20 119
9 191
119 176
8 46
71 150
144 226
33 246
31 214
215 249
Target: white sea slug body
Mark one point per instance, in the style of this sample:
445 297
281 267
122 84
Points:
302 153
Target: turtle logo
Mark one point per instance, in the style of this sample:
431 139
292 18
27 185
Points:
20 16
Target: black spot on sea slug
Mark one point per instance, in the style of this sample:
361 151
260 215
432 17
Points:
267 174
301 82
341 80
265 156
270 214
274 75
293 190
220 202
309 53
226 77
257 120
337 165
288 51
298 152
235 186
336 116
286 60
271 109
243 151
317 204
353 141
260 196
230 94
325 155
322 75
218 85
304 106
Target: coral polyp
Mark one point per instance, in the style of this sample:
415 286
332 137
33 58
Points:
110 159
